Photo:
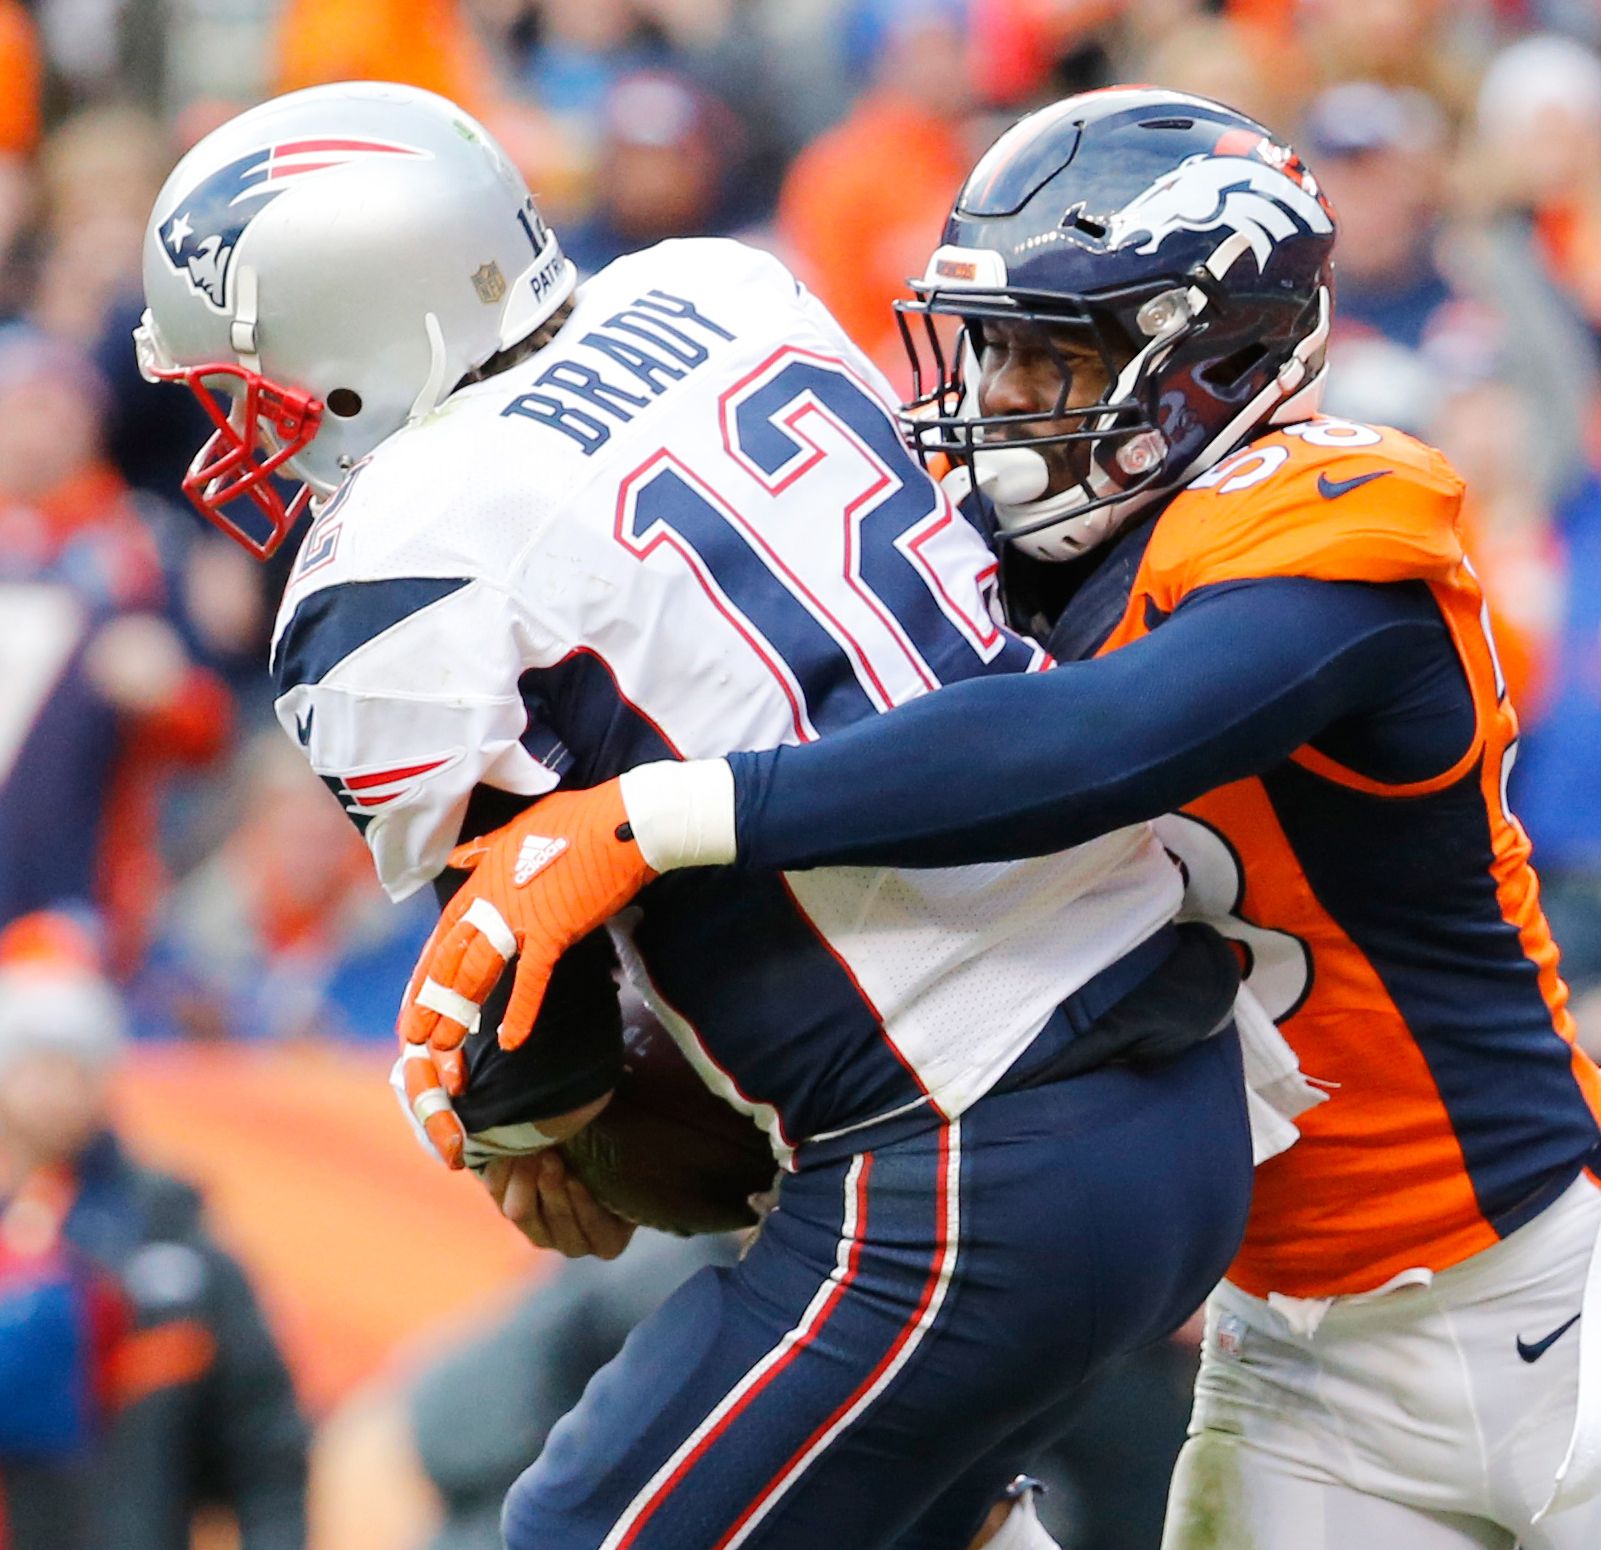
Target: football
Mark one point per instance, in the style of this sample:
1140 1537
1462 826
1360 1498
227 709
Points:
667 1152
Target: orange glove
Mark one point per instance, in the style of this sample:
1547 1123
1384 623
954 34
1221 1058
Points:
420 1086
549 877
420 1076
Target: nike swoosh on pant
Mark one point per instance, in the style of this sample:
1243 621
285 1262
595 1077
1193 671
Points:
1533 1353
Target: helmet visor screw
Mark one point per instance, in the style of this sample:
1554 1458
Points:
1162 314
1140 454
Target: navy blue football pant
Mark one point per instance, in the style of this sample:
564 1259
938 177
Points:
900 1337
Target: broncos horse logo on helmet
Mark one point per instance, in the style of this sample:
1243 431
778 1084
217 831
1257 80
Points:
1185 244
200 237
1209 192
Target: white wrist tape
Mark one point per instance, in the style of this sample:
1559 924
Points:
414 1116
682 814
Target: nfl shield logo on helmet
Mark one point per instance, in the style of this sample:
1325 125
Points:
489 282
200 235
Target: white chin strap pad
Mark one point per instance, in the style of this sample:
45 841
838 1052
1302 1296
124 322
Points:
1011 476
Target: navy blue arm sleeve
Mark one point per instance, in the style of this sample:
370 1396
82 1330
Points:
1004 767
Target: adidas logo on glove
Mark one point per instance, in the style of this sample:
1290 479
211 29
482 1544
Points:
535 854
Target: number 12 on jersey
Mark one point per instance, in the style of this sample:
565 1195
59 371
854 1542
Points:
837 561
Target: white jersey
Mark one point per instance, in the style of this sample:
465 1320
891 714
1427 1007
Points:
689 526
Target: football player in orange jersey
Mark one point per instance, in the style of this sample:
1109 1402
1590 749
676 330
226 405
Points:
1290 659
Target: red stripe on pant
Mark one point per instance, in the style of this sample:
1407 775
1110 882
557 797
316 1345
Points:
699 1450
782 1480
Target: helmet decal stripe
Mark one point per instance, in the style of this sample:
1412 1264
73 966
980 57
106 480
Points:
288 160
295 147
200 235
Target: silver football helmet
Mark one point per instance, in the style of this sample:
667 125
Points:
332 264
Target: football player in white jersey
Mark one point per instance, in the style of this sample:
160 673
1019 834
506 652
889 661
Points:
561 532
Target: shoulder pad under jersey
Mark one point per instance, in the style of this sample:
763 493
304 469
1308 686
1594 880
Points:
1326 499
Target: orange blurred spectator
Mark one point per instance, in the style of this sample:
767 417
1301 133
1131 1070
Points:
426 43
863 205
19 80
1271 18
102 694
19 136
432 44
1016 44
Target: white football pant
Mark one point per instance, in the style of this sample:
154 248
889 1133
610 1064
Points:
1411 1419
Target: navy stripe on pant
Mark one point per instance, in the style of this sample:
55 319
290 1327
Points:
871 1372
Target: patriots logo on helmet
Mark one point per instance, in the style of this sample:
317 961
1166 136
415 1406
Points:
200 235
1204 193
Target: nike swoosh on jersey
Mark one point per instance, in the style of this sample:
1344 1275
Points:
1332 489
1533 1353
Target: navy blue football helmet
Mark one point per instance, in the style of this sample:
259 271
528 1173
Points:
1190 245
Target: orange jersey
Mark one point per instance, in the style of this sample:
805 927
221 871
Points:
1394 930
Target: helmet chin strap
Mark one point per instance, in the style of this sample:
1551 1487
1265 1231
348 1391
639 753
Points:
242 331
244 338
429 394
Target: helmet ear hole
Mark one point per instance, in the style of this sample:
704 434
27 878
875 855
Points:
344 402
1224 375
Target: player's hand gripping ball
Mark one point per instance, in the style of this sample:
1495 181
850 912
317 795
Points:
537 885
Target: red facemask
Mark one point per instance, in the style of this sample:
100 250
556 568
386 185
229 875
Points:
237 461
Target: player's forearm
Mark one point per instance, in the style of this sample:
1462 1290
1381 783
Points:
988 770
997 769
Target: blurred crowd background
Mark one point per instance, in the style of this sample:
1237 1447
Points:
216 907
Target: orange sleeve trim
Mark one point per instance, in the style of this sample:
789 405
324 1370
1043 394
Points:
1329 769
1466 640
160 1358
